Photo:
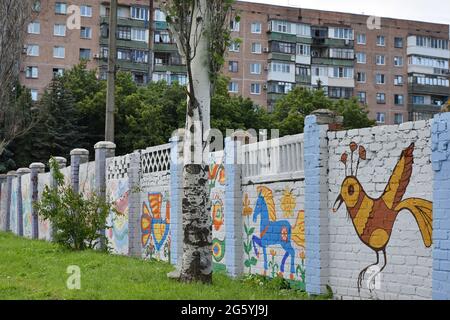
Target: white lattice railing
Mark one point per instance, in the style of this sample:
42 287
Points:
155 159
276 159
117 167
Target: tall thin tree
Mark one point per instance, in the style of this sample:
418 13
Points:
201 30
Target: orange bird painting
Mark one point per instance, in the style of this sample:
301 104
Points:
374 219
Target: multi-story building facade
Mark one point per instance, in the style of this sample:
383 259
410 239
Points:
399 68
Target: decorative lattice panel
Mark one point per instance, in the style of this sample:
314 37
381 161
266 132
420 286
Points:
155 159
117 167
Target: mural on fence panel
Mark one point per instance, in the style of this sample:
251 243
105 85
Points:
87 178
2 205
26 205
155 226
274 247
374 218
43 225
117 191
216 179
13 206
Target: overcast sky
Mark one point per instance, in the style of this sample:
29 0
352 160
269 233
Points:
424 10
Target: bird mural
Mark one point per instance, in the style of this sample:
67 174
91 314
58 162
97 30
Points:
374 219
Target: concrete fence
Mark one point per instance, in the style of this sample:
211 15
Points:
365 212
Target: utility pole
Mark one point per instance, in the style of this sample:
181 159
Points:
151 39
111 81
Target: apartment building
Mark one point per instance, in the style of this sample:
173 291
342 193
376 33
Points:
399 68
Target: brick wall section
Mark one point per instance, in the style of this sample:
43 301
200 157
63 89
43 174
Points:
441 216
409 263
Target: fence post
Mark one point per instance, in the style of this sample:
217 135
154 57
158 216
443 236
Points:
20 173
9 177
2 200
233 208
176 196
61 162
440 157
134 206
316 198
103 151
36 168
77 157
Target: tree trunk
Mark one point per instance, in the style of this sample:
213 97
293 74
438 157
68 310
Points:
197 222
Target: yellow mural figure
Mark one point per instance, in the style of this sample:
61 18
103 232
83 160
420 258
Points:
288 203
373 219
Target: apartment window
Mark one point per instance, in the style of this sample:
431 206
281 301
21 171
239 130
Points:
398 99
235 25
86 32
361 77
342 72
381 98
434 43
124 54
362 97
256 27
381 41
361 38
343 33
34 27
162 37
361 57
429 62
398 118
33 50
86 11
255 88
283 47
139 56
320 71
380 60
280 67
256 47
34 94
281 26
280 87
59 52
381 117
60 8
235 46
32 72
233 87
380 78
139 35
398 61
302 71
303 49
59 30
58 72
139 13
338 92
124 33
255 68
418 100
160 15
85 54
398 42
233 66
398 80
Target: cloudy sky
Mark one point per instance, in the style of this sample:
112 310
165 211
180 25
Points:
424 10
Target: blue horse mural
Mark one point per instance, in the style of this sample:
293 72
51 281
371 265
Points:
272 232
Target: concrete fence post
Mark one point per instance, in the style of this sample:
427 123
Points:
316 198
9 178
233 208
134 206
2 201
440 156
20 173
77 157
61 162
176 196
103 151
36 168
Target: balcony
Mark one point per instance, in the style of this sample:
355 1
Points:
424 108
277 36
427 89
303 79
336 43
282 56
126 43
274 97
332 62
127 22
165 47
125 65
170 68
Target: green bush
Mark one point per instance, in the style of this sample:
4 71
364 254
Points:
77 221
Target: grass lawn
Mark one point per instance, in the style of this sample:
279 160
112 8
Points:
37 270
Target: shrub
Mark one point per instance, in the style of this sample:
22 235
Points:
77 221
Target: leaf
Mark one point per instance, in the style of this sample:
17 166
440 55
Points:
251 231
253 261
247 263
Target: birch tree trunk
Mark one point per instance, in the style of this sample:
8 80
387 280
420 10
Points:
197 224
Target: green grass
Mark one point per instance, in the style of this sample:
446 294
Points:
37 270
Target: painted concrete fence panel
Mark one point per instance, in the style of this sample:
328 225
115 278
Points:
43 225
380 212
3 200
13 209
87 178
26 205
